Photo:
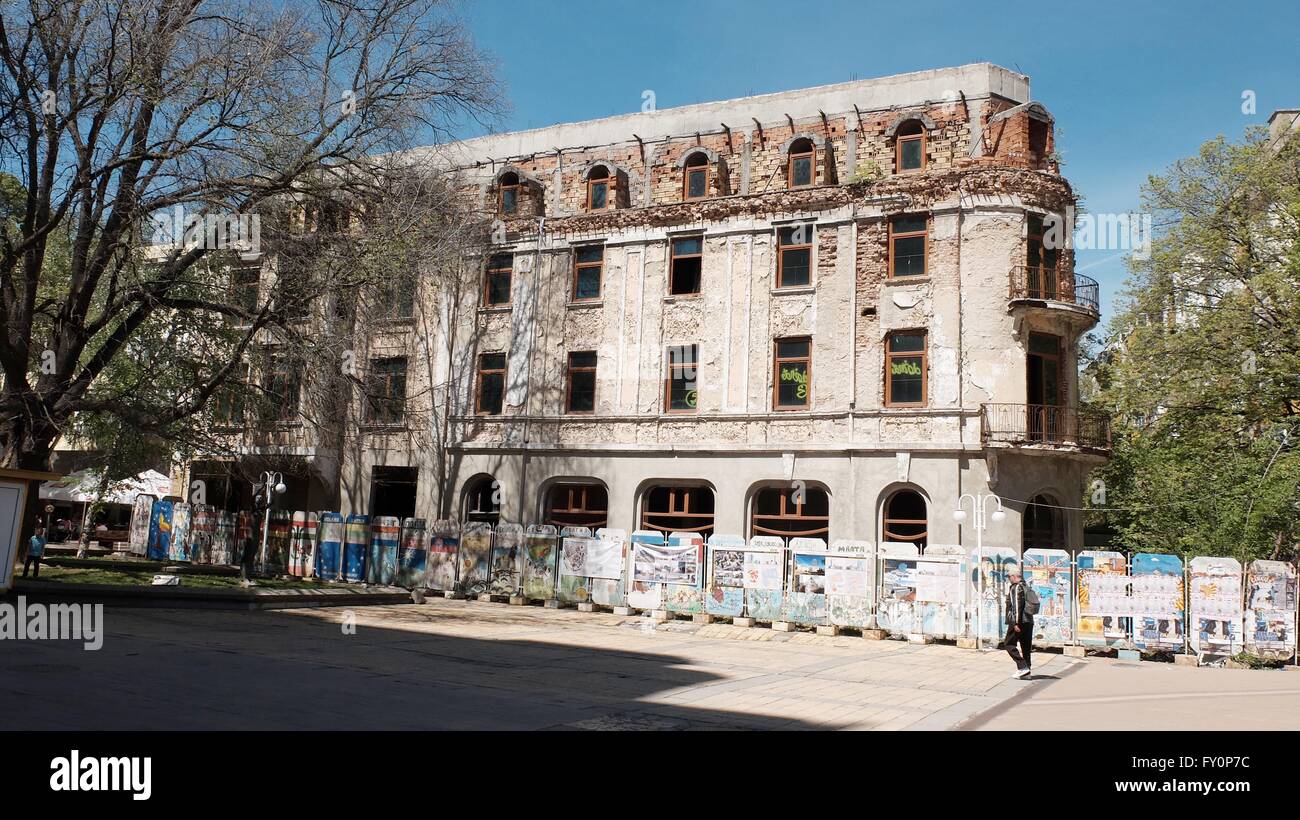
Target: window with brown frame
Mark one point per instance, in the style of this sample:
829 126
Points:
687 265
906 519
788 513
695 178
906 368
491 383
508 194
386 391
1040 259
907 241
909 146
588 264
598 188
580 383
482 501
283 386
792 379
678 509
794 256
578 505
496 283
801 164
680 385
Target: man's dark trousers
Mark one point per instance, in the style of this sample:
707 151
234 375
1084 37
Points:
1025 639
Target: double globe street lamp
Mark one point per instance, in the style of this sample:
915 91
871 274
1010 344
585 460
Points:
979 505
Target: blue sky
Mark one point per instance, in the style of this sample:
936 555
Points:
1132 86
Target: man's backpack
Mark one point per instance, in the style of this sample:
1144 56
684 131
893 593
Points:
1031 600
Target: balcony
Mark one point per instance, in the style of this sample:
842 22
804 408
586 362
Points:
1045 284
1042 425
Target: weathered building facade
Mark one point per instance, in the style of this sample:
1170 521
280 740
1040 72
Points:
825 312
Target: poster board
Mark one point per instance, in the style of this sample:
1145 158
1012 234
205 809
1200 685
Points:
850 583
725 569
1101 592
302 544
765 568
1271 609
413 554
178 548
805 598
609 565
444 554
475 552
896 606
138 535
645 590
684 593
356 538
1049 573
160 531
541 549
507 562
1214 604
381 563
329 550
1157 597
574 584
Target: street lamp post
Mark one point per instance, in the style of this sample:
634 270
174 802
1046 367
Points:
979 508
264 492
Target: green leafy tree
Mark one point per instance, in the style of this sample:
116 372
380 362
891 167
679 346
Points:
1201 367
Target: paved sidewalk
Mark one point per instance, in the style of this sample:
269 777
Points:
470 665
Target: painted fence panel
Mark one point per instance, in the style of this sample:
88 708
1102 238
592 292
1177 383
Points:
941 595
765 566
178 549
1050 574
202 531
223 539
444 556
1102 609
1271 609
141 513
276 558
541 550
507 562
644 590
574 586
160 531
302 543
329 548
988 573
805 600
381 562
609 583
850 583
725 592
474 571
1214 606
413 554
1157 600
685 594
356 538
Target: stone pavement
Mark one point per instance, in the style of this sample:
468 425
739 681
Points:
1109 694
470 665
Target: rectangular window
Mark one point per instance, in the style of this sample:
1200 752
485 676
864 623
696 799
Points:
597 194
801 169
282 387
244 287
793 377
581 388
397 297
491 383
680 393
905 369
587 264
697 182
386 391
496 284
1040 261
911 153
509 200
907 238
684 277
794 259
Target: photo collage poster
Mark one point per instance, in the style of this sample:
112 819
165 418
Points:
1102 597
1271 609
1156 601
1215 605
805 600
725 596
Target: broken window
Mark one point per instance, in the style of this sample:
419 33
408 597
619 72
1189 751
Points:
907 240
792 381
680 382
684 277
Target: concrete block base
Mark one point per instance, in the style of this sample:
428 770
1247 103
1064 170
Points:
660 616
1075 651
622 610
875 634
553 603
702 618
453 595
922 639
1130 655
782 626
968 643
485 598
518 600
745 622
1185 660
829 631
586 606
1292 668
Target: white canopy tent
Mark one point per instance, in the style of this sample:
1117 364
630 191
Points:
82 487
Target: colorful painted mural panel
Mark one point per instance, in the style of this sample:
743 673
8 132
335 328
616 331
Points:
541 550
1102 598
444 556
1156 601
1214 602
1271 609
1050 575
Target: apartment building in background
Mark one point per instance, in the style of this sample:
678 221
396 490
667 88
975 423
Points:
827 312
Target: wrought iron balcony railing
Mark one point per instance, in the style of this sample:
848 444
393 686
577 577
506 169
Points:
1043 425
1057 285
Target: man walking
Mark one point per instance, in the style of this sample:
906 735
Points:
1022 605
35 549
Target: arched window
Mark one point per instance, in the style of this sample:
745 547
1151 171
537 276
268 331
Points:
578 505
801 164
909 146
599 189
789 513
678 509
1043 524
508 194
695 176
481 501
906 519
